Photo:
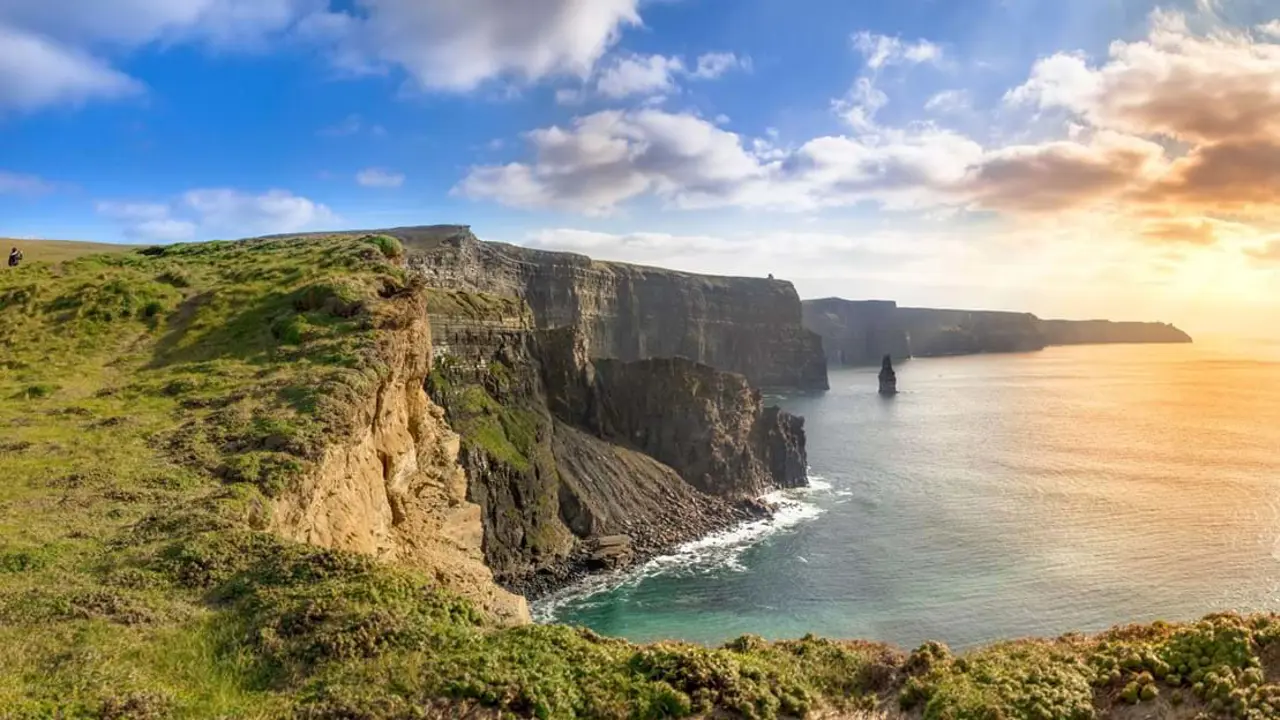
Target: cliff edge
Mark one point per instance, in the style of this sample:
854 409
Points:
749 326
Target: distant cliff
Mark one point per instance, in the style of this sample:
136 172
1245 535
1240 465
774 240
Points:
857 332
933 333
750 326
862 332
1103 332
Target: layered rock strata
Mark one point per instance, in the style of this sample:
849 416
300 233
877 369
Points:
394 489
857 332
561 450
750 326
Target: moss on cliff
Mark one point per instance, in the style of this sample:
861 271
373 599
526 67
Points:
150 400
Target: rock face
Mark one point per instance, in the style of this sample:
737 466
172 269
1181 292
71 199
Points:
395 489
934 333
857 332
862 332
710 427
750 326
561 450
888 378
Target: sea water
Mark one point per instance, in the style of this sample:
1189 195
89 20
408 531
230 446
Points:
997 496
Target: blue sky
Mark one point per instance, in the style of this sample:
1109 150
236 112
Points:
1086 158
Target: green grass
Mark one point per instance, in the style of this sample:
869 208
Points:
55 251
152 401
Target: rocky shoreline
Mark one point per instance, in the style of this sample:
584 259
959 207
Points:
643 542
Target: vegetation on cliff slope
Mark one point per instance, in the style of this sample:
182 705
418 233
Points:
152 400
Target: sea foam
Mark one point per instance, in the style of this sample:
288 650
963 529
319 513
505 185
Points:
720 552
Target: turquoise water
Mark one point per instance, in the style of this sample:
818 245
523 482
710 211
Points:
998 496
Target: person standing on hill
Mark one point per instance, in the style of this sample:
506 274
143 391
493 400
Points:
15 257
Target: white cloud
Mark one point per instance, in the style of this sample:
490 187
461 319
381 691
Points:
608 158
569 96
788 254
57 51
657 75
217 212
1172 83
712 65
883 51
949 101
456 46
379 178
1063 175
20 184
859 107
149 222
639 75
275 211
36 71
129 23
1272 28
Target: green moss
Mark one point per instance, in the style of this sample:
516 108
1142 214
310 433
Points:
473 305
390 247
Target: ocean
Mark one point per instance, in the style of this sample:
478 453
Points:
999 496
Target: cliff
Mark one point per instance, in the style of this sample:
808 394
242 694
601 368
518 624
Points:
962 332
562 450
174 416
857 332
1103 332
750 326
710 427
392 487
862 332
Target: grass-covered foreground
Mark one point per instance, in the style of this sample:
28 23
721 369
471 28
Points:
152 401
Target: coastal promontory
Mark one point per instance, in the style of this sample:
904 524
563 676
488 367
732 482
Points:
860 332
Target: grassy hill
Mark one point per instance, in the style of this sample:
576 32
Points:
154 401
55 251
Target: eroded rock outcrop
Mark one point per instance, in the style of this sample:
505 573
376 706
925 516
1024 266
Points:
556 462
888 378
395 489
750 326
710 427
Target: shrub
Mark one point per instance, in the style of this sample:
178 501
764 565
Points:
391 248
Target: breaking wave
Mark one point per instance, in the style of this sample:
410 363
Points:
718 552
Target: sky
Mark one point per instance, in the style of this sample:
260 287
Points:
1092 158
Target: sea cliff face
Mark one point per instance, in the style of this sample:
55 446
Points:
750 326
857 332
564 453
862 332
710 427
1104 332
933 333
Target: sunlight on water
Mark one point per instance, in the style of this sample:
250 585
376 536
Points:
998 496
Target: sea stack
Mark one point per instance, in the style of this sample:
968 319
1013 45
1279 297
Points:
888 378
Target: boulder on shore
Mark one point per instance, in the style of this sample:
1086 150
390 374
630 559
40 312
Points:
610 552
